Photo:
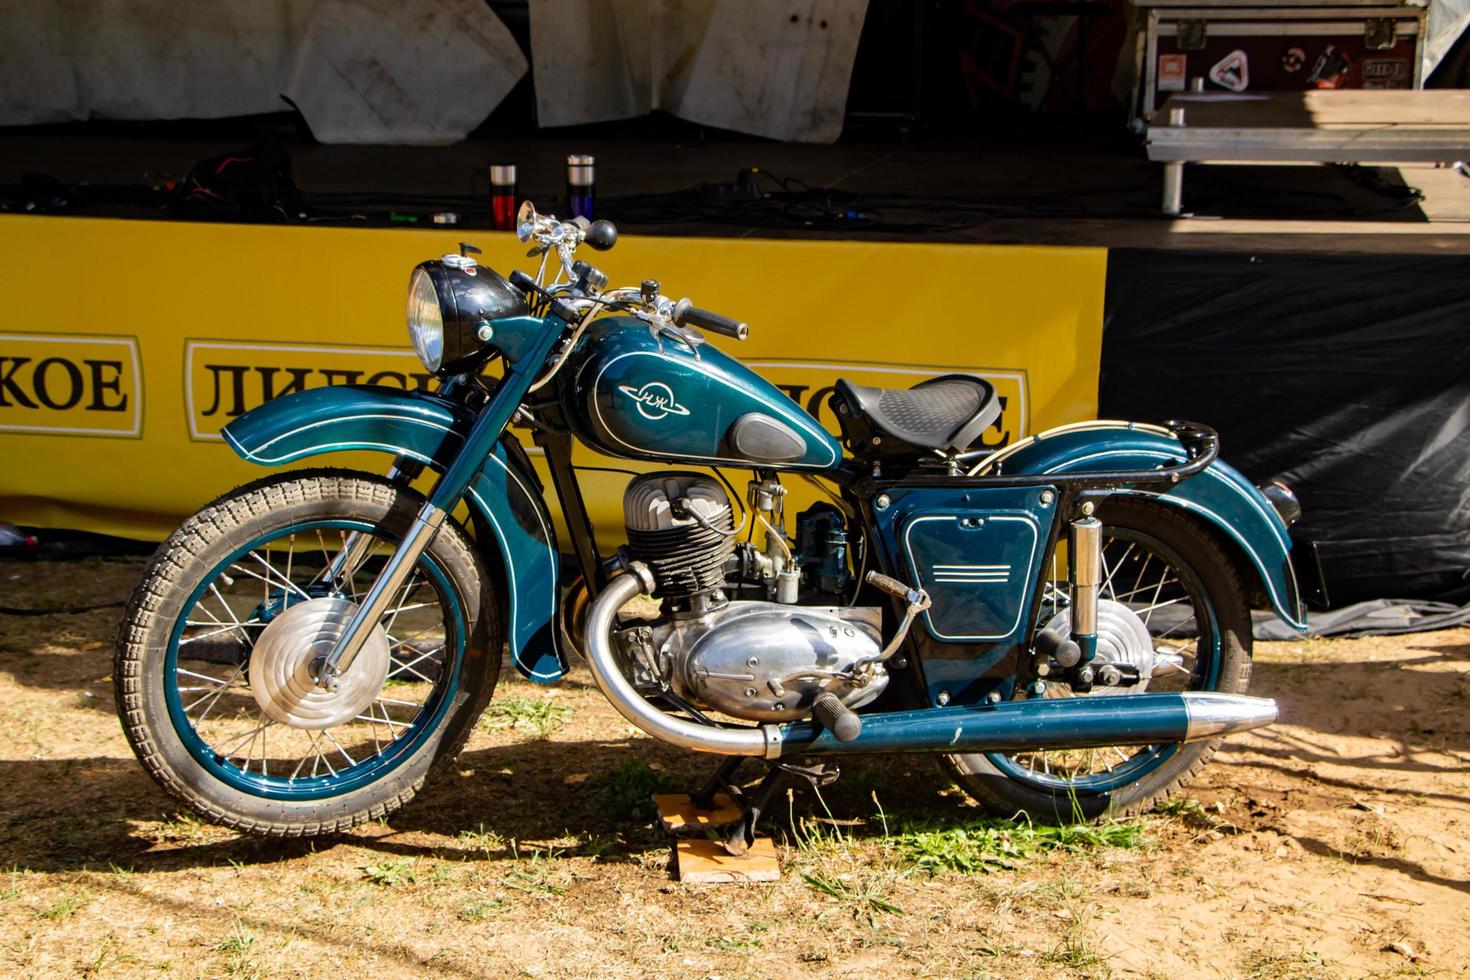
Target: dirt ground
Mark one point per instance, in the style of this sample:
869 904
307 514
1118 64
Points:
1336 843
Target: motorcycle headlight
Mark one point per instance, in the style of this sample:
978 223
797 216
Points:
425 320
447 301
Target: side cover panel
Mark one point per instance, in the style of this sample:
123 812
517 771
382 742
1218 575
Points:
426 428
1221 495
977 552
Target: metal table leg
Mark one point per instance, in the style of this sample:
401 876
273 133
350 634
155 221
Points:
1174 187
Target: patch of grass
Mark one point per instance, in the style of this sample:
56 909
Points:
537 717
988 843
487 842
479 909
624 792
1303 964
1193 813
535 875
839 869
864 897
391 873
1074 950
733 944
181 828
242 958
64 907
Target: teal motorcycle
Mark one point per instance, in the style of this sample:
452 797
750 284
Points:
1064 622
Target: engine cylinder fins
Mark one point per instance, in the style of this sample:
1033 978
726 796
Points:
682 526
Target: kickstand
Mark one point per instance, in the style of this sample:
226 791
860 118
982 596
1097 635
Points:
741 834
704 797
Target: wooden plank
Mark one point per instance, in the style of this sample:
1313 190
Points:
1319 109
1317 126
706 862
677 812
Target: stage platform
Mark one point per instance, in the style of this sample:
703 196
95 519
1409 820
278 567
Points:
1055 184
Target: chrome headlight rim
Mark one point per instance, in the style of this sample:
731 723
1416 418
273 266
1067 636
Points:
465 297
425 316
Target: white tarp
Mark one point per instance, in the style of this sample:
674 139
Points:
361 71
776 69
1447 21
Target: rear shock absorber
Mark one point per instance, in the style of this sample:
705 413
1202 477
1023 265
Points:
1086 582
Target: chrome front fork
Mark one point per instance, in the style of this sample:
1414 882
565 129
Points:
373 605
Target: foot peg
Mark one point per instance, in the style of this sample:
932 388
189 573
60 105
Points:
1051 645
836 717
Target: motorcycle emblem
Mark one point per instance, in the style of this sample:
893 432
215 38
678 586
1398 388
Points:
655 400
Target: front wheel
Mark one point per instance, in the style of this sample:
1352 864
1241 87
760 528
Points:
1172 606
214 664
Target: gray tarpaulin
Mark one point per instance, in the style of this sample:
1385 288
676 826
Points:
361 71
1376 617
775 69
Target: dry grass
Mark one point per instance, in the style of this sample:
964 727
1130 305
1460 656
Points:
536 855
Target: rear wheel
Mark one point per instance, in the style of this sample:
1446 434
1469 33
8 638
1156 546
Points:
214 664
1171 605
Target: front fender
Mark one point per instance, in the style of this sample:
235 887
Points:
429 429
1219 494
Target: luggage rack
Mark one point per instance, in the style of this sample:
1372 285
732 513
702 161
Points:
1201 445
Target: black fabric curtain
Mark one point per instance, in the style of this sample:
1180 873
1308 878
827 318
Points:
1346 376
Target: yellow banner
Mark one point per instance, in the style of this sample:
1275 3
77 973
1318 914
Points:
125 346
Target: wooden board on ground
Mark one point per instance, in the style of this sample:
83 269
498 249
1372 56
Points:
677 812
707 862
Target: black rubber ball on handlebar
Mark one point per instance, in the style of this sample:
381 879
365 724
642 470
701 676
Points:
602 236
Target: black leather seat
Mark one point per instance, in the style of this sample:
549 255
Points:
947 412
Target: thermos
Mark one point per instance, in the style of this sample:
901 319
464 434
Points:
581 186
503 196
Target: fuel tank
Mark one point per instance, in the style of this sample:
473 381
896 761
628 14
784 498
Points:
641 396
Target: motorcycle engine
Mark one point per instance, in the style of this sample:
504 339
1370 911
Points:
763 661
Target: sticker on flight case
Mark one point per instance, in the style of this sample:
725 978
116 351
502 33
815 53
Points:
1330 69
1385 73
1293 60
1172 69
1232 71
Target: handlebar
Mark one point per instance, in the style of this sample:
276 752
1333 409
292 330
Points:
581 293
687 314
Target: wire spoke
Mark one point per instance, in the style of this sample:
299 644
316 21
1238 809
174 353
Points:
238 739
408 667
228 611
227 628
1108 580
406 704
227 685
327 733
385 720
348 575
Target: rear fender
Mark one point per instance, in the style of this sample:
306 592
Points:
428 429
1220 495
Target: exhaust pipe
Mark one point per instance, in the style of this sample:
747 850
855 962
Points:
1010 726
1047 723
634 706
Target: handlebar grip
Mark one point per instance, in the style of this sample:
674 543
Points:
687 314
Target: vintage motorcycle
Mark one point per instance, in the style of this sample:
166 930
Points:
1064 622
